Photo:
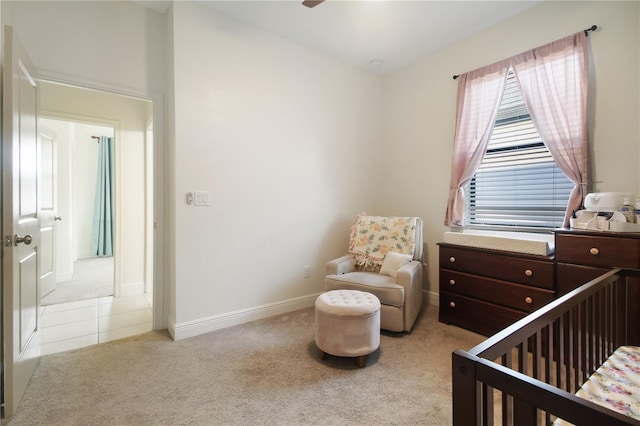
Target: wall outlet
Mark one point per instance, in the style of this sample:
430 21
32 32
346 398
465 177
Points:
307 271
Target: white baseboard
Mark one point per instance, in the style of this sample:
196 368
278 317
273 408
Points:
216 322
132 289
431 298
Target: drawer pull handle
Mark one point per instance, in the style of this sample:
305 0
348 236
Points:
452 304
452 259
594 251
452 282
528 300
528 272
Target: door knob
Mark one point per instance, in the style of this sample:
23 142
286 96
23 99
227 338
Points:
57 218
27 239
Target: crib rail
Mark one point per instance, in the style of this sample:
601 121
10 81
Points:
528 373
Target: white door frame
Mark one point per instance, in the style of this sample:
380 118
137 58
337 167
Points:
157 252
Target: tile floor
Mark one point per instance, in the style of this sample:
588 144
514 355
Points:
74 325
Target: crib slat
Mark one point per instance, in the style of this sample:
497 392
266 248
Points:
620 323
546 354
577 341
610 319
561 359
584 341
523 358
524 414
535 351
570 354
593 334
507 401
487 404
597 329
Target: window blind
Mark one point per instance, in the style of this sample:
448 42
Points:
518 183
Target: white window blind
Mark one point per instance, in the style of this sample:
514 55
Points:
518 183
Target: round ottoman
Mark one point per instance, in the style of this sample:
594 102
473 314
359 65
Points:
347 324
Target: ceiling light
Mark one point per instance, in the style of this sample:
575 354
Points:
376 64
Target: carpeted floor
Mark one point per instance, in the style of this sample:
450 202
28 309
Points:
265 372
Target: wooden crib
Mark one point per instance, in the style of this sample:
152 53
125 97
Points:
528 373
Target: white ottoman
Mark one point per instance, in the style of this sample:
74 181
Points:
347 324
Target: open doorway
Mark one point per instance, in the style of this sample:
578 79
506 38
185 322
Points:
97 296
83 268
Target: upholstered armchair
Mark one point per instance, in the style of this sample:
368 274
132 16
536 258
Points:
384 258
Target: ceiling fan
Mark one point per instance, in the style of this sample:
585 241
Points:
311 3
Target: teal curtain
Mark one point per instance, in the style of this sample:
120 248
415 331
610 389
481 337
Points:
102 232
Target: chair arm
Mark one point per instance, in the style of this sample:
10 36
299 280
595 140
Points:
410 277
341 265
408 273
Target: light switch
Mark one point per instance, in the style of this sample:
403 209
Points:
201 198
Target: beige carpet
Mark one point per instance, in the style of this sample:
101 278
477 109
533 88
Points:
266 372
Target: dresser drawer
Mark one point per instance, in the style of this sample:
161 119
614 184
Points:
478 316
569 276
603 251
500 266
517 296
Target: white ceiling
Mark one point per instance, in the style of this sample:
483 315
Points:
395 32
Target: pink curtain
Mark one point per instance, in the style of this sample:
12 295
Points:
553 80
479 95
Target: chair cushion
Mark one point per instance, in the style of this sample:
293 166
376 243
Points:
382 286
392 262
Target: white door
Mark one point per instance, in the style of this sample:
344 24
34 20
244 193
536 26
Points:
20 275
48 210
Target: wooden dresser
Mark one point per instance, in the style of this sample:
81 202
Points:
486 290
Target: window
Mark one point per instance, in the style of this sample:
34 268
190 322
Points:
518 183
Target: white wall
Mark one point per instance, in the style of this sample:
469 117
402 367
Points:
119 43
420 106
287 142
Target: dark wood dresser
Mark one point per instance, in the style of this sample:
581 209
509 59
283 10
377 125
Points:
486 290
